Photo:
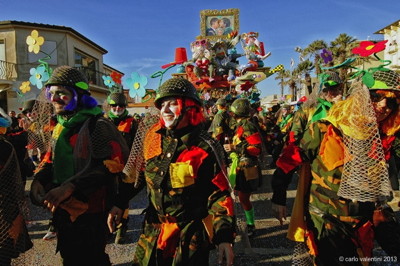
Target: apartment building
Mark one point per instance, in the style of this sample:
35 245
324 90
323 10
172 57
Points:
62 46
392 34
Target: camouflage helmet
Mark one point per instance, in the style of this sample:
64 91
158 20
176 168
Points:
221 101
386 80
117 98
28 106
68 76
241 107
329 79
176 87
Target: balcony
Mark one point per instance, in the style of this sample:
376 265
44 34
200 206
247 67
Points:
6 70
94 77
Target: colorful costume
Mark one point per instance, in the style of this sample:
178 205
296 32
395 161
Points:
87 152
349 179
190 208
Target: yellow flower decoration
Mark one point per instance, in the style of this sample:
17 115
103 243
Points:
114 165
34 41
25 87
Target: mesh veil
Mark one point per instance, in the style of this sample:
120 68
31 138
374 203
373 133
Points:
14 238
136 160
40 131
365 175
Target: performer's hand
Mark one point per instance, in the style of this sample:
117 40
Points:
37 193
114 218
279 212
225 251
227 147
57 195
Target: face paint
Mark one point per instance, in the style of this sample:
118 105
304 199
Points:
170 111
117 109
62 99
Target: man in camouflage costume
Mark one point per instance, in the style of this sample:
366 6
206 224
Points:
79 172
244 150
190 208
219 128
331 90
339 228
127 125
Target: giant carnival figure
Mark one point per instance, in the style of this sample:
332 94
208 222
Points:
254 51
225 57
201 57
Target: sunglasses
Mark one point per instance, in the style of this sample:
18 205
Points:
120 105
391 102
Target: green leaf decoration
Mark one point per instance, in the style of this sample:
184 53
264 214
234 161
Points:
368 80
82 85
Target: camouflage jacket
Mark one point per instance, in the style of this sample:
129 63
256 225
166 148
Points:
219 128
127 125
247 140
186 187
326 179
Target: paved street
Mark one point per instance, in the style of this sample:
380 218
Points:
268 247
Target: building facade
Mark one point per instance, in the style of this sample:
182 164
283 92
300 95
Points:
62 46
392 34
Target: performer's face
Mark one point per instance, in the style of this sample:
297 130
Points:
117 109
170 111
383 106
60 97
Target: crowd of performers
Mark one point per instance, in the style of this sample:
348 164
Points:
344 149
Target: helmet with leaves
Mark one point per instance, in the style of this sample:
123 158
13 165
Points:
117 98
68 76
241 107
386 80
176 87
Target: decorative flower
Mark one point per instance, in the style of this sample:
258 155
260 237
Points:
116 77
34 41
25 87
108 81
368 48
38 76
327 56
136 84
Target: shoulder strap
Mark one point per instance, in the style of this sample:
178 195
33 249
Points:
218 152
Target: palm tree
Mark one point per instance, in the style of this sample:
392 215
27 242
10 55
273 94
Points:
341 49
282 76
304 68
313 50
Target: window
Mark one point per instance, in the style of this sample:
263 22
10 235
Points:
49 48
2 50
87 65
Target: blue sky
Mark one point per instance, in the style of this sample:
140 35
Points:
141 35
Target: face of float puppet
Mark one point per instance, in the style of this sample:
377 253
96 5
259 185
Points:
199 48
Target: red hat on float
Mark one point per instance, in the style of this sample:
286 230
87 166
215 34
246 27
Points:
180 57
303 99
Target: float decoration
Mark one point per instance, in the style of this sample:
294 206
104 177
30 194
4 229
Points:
180 58
326 55
136 85
365 49
214 68
41 73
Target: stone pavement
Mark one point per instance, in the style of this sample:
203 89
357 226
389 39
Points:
269 246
